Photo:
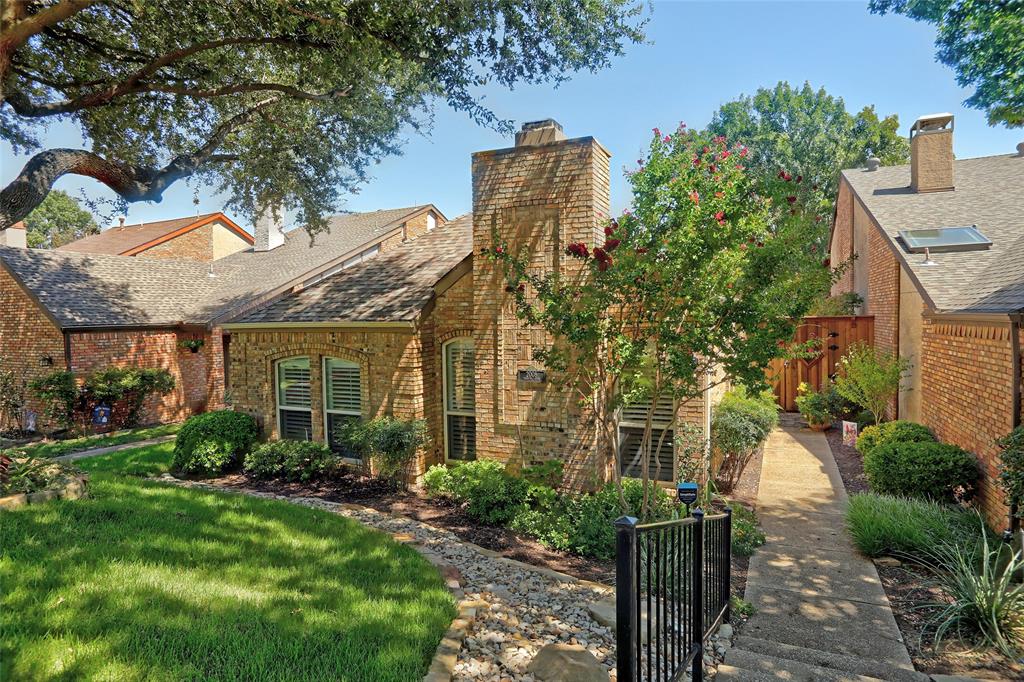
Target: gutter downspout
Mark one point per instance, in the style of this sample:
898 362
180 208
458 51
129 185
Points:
1015 403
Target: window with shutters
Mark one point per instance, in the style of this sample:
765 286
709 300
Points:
294 411
632 424
460 399
343 401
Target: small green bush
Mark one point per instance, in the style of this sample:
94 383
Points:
295 460
125 389
936 471
1011 466
740 425
490 493
211 442
591 530
549 473
815 406
900 431
437 481
390 442
746 535
883 525
58 392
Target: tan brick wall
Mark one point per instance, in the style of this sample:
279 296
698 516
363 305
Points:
26 336
883 299
966 396
842 238
543 198
204 244
197 376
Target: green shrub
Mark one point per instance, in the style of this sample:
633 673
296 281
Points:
935 471
295 460
211 442
437 481
870 377
883 525
20 473
591 518
815 406
847 303
986 603
740 425
900 431
126 389
490 493
746 535
1011 466
58 392
391 443
549 473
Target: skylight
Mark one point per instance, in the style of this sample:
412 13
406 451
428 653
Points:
942 239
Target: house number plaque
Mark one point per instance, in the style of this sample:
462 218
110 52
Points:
533 376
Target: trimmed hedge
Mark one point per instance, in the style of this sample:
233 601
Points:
935 471
899 431
209 443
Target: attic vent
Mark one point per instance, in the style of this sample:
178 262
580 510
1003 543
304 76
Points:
944 239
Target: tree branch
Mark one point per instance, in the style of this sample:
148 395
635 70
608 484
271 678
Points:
132 183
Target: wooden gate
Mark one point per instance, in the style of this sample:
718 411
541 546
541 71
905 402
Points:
833 336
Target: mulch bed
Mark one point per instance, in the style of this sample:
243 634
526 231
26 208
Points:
909 588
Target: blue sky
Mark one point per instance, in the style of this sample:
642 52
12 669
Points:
698 56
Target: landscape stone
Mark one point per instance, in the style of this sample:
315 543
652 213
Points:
566 663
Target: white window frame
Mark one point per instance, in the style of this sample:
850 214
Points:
444 394
327 412
277 395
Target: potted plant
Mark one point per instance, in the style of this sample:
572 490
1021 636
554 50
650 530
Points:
193 345
814 407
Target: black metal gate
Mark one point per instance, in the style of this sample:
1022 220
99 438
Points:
671 591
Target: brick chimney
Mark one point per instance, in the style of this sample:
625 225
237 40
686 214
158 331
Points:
540 195
931 153
14 236
268 231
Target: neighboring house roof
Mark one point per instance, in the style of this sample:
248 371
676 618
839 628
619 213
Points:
989 193
96 290
395 286
128 240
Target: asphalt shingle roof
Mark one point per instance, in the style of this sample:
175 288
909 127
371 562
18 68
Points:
989 193
115 240
107 290
392 287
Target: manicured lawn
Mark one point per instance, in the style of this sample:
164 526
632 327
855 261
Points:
57 448
149 581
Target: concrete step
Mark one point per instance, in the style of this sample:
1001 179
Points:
772 668
828 659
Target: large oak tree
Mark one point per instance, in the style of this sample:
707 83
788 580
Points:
274 102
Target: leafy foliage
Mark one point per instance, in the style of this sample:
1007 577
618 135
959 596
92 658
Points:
270 103
884 524
815 406
390 442
810 134
13 398
294 460
1011 466
746 535
549 473
209 443
847 303
740 425
899 431
983 42
986 599
125 388
870 377
936 471
23 474
58 392
707 270
57 221
490 494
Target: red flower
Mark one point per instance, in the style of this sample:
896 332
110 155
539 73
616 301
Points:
760 245
521 288
713 168
667 139
642 250
719 195
782 175
720 217
799 178
724 155
827 262
814 249
743 153
609 229
695 197
611 244
743 247
578 250
499 249
791 199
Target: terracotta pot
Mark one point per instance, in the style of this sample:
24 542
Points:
819 427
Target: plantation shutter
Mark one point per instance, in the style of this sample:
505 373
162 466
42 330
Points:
460 399
293 382
342 381
296 424
661 466
636 412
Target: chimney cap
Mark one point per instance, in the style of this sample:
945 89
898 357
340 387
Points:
930 122
873 162
540 132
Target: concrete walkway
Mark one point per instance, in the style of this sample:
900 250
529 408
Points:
821 611
82 454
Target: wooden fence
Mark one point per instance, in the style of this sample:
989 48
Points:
833 335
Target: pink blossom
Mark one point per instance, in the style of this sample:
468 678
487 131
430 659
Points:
695 197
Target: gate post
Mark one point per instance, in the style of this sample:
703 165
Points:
697 596
727 557
626 632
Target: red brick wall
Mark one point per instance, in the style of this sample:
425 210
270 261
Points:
966 396
842 237
192 372
26 336
883 300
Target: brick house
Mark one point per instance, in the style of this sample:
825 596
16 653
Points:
203 238
428 331
939 248
85 311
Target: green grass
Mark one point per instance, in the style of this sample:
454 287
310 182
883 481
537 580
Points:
56 448
882 524
146 581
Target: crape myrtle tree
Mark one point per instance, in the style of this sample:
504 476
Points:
983 42
273 102
706 273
